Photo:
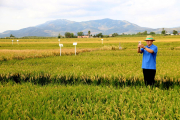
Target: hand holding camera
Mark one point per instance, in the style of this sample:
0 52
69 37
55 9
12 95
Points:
140 45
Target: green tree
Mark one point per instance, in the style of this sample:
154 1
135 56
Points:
67 35
89 32
163 31
152 33
139 33
175 32
11 35
80 34
144 33
99 35
114 34
59 36
72 35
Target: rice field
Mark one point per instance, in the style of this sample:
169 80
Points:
100 82
29 101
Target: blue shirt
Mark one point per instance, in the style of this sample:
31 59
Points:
149 59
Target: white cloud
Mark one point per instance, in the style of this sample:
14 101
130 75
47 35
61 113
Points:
150 13
145 13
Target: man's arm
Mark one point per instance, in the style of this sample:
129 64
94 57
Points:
147 49
138 50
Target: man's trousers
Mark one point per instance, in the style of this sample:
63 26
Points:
149 75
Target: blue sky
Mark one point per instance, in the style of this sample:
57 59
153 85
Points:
17 14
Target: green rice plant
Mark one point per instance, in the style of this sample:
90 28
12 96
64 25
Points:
97 65
97 83
29 101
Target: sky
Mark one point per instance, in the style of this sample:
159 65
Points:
18 14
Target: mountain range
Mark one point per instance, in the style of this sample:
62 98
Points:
104 26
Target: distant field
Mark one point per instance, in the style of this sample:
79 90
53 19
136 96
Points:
96 40
42 56
101 82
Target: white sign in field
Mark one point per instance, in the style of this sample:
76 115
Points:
75 43
60 45
17 42
120 46
59 41
102 41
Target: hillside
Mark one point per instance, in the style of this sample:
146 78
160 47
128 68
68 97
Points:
105 26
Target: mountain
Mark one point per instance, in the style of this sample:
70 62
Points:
105 26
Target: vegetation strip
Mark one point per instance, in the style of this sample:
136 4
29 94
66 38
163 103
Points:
106 83
28 101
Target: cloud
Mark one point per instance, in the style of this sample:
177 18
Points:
149 13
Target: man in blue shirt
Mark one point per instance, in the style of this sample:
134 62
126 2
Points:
149 60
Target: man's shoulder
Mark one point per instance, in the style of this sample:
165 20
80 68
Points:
154 46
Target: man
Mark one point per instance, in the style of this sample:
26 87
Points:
149 60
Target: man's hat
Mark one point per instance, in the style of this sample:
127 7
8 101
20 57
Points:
149 37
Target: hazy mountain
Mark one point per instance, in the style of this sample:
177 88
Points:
105 26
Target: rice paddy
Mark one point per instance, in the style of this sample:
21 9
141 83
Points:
100 82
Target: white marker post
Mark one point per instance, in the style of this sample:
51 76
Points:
102 41
17 42
59 41
12 42
120 47
60 45
75 43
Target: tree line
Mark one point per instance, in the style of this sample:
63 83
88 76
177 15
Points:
175 32
72 35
